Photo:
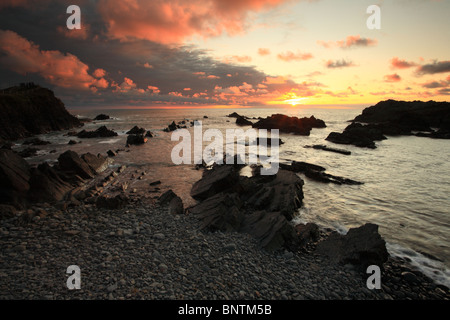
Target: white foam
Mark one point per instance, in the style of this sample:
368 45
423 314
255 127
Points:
436 270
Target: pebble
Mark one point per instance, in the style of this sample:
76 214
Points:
122 256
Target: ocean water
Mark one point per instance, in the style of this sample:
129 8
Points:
406 179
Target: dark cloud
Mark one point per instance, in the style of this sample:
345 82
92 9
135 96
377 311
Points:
435 67
338 64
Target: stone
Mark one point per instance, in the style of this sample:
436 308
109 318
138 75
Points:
241 121
71 162
136 139
176 206
136 130
112 203
102 132
101 117
14 177
97 163
307 233
362 246
286 124
213 181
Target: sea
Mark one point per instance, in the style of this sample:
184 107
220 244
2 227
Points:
406 188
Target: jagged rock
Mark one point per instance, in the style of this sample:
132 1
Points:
359 135
102 132
241 121
149 134
136 130
166 197
176 206
283 194
172 127
71 162
361 246
47 185
97 163
111 153
136 139
219 212
271 229
14 177
286 124
101 117
72 142
307 233
213 181
234 115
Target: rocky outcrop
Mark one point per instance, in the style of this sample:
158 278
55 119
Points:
286 124
136 130
136 139
361 246
102 132
393 118
241 121
261 206
363 136
35 142
101 117
29 110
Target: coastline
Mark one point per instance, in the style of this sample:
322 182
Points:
144 252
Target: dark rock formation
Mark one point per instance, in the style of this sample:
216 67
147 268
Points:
101 117
286 124
307 233
14 177
326 148
47 184
111 153
317 173
171 127
361 246
102 132
136 130
98 163
234 115
394 118
166 197
31 110
149 134
28 152
359 135
214 181
71 163
261 206
241 121
72 142
136 139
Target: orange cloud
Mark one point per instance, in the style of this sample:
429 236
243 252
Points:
396 63
392 78
350 41
63 70
290 56
338 64
263 51
172 21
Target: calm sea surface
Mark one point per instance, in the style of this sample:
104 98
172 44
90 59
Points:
406 188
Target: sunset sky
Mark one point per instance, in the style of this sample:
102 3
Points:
135 53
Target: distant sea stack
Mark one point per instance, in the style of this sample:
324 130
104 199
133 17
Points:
29 109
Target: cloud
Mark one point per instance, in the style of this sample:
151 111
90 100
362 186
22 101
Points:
435 67
392 78
396 63
338 64
263 51
63 70
172 21
349 42
240 59
290 56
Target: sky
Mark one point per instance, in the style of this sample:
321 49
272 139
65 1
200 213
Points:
228 53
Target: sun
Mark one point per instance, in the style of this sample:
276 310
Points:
295 101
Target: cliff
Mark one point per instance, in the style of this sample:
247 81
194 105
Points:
29 109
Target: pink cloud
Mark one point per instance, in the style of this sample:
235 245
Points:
263 51
172 21
392 78
63 70
396 63
290 56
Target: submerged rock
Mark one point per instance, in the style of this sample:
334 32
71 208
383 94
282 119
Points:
101 117
136 139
